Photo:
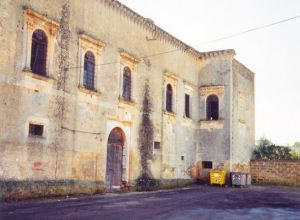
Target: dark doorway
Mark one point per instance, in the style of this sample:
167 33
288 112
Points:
212 107
114 160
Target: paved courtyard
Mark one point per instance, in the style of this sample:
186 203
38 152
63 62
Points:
197 202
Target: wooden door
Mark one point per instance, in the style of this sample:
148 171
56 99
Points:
114 165
114 158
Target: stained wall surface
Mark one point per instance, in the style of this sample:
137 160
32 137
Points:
77 122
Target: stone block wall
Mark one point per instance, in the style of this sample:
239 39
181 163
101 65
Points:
275 172
243 114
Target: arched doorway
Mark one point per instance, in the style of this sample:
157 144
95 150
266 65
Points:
114 161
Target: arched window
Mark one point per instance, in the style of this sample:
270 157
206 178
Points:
212 107
39 52
89 70
127 83
169 97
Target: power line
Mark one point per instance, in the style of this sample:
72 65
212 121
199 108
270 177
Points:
250 30
206 42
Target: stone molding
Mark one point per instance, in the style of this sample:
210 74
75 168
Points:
128 57
159 32
88 91
127 102
88 43
209 90
38 77
170 78
213 54
35 20
211 124
171 114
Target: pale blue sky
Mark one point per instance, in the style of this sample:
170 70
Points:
273 53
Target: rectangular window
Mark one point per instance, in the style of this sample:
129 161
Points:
182 158
36 130
156 145
187 105
207 164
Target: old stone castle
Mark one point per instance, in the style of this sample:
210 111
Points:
72 81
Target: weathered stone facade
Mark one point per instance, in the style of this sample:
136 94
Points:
77 122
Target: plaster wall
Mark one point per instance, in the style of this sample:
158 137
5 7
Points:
77 122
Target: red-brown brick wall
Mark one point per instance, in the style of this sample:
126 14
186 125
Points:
275 172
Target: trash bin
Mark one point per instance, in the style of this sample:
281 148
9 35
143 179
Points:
238 179
217 177
248 179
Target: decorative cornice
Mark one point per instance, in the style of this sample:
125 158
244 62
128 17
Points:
160 33
34 19
212 54
96 43
170 76
209 90
130 58
211 124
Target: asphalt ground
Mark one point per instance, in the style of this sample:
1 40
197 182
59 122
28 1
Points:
196 202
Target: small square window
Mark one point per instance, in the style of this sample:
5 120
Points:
36 130
182 158
156 145
207 164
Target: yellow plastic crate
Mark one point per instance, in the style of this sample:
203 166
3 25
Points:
217 177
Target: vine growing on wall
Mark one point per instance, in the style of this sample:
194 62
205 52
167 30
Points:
145 141
63 64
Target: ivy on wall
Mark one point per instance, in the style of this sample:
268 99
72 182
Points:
145 181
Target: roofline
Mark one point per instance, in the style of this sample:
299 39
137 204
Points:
212 54
161 33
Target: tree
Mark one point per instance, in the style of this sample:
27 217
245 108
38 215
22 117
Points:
266 150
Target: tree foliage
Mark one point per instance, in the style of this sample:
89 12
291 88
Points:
266 150
146 131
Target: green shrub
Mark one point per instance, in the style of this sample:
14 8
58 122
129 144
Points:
267 151
147 183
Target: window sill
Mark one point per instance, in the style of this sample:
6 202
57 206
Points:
187 118
211 124
127 102
88 91
36 139
37 76
173 114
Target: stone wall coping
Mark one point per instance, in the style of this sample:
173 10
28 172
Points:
277 161
162 34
